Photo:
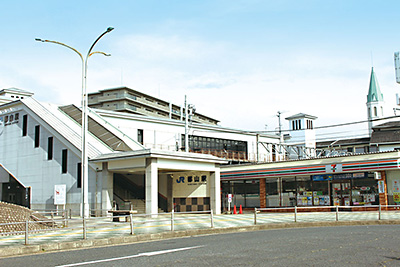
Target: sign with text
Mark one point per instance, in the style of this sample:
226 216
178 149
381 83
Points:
60 194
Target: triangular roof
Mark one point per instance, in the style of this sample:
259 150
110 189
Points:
374 92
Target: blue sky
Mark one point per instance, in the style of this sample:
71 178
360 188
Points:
238 61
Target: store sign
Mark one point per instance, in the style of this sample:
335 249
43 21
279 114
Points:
322 177
333 168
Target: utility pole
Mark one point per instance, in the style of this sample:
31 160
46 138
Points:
186 126
189 111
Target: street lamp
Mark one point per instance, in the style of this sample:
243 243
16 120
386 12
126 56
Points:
84 164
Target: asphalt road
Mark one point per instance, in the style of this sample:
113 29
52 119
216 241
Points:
377 245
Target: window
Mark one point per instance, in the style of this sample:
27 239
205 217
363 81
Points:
375 112
37 135
50 148
24 125
64 160
79 175
140 136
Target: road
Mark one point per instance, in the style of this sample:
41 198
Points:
377 245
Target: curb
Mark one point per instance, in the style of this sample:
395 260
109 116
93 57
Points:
20 250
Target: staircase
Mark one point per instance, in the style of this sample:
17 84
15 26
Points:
127 193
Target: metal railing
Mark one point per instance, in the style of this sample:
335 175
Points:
56 222
328 209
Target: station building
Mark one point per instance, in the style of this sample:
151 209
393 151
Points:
131 157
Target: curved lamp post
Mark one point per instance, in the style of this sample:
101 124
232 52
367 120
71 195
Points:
84 164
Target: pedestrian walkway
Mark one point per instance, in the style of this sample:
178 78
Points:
104 227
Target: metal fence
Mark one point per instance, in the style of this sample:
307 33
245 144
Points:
332 211
61 219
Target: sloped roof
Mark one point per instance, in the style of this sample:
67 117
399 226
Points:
374 92
388 132
65 126
301 115
343 142
16 90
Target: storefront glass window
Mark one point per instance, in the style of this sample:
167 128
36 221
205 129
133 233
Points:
304 191
272 192
321 193
289 188
365 192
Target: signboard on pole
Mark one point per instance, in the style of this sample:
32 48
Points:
60 194
229 198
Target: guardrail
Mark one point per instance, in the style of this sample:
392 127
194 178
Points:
332 209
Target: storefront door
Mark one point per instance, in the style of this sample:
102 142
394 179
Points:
341 193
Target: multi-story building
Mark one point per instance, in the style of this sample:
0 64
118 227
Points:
125 99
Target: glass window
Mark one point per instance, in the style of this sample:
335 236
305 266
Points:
304 191
365 192
289 188
37 135
272 193
64 160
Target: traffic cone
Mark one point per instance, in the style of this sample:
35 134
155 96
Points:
240 209
234 210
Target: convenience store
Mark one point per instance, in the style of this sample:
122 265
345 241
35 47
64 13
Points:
353 180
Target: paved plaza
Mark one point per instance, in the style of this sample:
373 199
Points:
104 227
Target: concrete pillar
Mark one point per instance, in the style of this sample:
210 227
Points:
107 189
215 191
170 193
151 186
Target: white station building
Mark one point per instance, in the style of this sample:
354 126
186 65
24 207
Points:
131 157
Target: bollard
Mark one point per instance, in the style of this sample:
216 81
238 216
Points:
337 213
255 216
380 211
131 222
70 214
295 213
26 232
52 219
84 227
64 216
212 218
172 220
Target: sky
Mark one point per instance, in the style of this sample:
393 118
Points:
237 61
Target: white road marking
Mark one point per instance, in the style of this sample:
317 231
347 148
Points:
145 254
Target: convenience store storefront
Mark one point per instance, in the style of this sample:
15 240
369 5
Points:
356 180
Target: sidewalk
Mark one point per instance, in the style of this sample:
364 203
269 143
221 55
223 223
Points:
102 231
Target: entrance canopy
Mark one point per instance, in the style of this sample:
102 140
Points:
155 165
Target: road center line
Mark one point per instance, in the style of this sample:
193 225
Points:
145 254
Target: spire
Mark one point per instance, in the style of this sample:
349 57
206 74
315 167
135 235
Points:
374 93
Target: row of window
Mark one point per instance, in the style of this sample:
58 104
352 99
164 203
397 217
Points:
50 149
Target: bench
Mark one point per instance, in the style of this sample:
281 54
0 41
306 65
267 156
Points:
125 213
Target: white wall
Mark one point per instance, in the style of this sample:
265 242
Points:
31 166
